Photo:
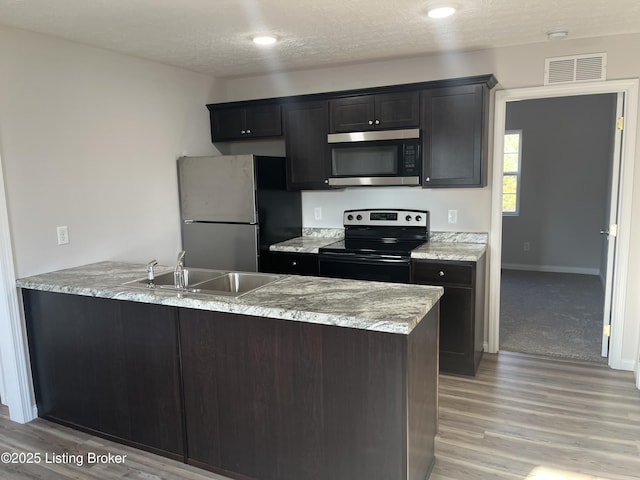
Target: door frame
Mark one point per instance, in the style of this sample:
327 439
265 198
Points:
630 88
612 239
14 355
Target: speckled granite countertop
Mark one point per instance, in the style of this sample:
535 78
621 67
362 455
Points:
302 244
384 307
450 251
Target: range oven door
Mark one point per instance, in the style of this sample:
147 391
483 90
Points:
382 268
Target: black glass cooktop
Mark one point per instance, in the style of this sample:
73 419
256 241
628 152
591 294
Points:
388 245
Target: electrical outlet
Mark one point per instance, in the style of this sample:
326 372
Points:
526 246
63 235
453 216
317 213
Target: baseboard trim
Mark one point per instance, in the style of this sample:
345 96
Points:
551 269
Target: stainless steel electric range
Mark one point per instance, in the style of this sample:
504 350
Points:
377 245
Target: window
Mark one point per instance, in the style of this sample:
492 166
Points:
511 172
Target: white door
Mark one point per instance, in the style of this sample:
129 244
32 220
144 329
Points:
610 231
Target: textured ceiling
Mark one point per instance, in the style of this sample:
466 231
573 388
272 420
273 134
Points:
213 36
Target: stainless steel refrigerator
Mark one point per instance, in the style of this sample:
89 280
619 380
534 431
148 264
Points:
234 206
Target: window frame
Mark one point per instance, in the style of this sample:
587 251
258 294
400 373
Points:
517 174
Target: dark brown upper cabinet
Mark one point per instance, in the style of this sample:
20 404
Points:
245 122
454 136
307 150
374 112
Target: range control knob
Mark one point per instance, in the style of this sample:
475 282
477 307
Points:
359 217
418 218
408 218
349 217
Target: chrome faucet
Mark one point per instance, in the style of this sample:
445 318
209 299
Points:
180 274
150 274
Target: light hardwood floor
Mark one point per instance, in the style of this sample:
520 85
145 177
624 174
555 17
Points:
528 417
522 417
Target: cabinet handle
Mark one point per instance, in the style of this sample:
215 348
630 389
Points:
294 263
326 180
377 122
370 122
248 131
243 132
441 273
428 179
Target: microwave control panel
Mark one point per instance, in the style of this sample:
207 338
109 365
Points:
411 159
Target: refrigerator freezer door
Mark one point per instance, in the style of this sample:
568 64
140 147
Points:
218 189
221 246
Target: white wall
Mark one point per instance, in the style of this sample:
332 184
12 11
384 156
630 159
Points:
89 139
514 67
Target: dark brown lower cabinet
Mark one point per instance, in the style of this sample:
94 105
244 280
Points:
279 400
248 397
108 367
461 310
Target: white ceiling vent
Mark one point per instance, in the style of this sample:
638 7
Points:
576 68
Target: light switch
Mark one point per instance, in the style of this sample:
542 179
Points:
453 216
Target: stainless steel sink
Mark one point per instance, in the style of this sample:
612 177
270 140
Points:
165 280
211 282
235 283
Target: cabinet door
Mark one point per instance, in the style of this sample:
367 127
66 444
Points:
63 363
107 366
307 150
454 139
152 372
263 121
227 123
397 110
352 114
456 331
373 112
245 123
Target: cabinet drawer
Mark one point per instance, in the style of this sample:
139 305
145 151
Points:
457 273
292 263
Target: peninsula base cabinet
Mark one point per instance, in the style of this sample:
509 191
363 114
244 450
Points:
245 396
280 400
108 367
461 310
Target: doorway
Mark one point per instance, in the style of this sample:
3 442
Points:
559 157
630 90
16 388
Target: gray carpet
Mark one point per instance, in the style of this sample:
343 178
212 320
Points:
551 314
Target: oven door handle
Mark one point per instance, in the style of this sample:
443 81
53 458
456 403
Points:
362 258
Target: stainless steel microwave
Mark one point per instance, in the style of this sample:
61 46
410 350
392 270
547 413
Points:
384 157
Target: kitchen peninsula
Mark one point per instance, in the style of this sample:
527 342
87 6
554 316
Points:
305 377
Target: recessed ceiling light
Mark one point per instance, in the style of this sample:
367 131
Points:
441 12
265 40
557 35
